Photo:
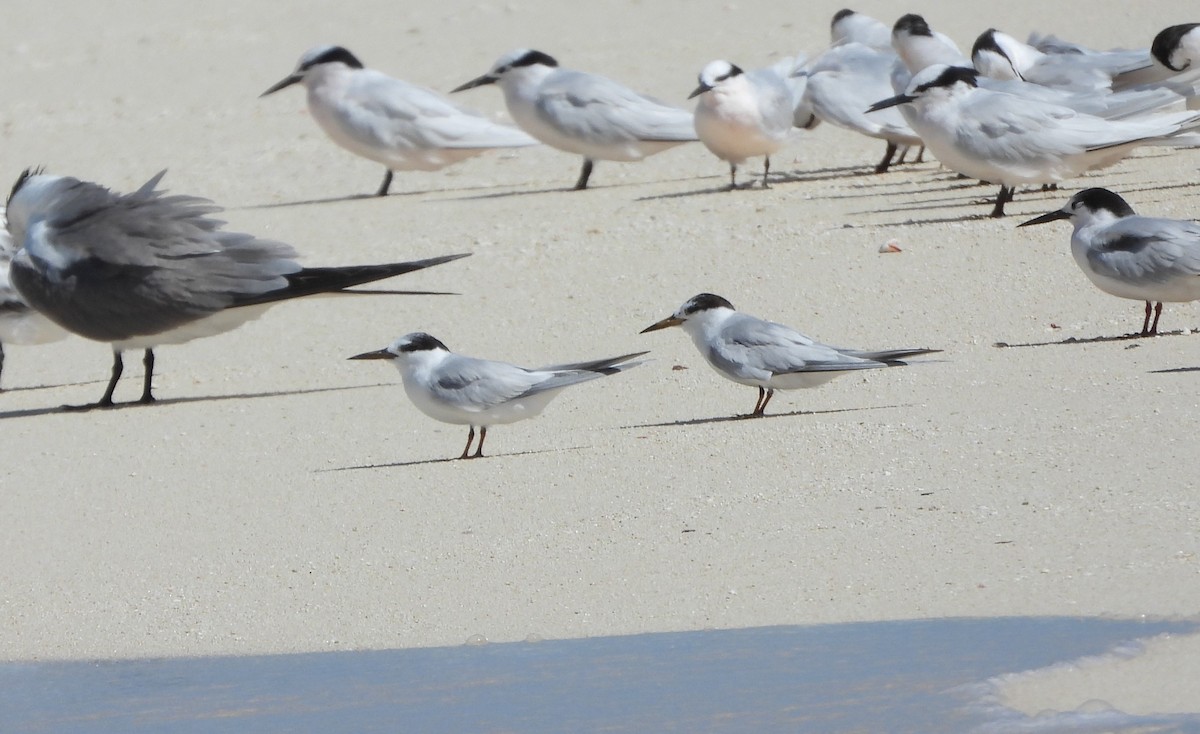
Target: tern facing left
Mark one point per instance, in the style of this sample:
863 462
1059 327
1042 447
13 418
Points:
480 393
1010 140
767 355
1141 258
400 125
583 113
142 270
740 115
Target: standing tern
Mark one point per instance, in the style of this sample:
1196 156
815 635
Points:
583 113
400 125
19 322
480 393
143 270
1140 258
767 355
1010 140
742 114
843 81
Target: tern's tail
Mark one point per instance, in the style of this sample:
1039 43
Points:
311 281
890 357
610 366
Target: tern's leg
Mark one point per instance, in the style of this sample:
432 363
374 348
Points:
758 410
1 364
758 402
1002 198
470 438
1146 321
117 368
1157 313
887 158
479 449
387 183
148 378
766 170
903 154
920 155
732 177
584 175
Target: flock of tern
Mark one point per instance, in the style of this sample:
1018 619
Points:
146 269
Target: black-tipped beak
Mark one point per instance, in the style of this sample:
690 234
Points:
377 354
883 104
478 81
665 323
1047 217
283 83
699 90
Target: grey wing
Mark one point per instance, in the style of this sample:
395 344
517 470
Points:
111 266
775 101
751 345
1148 250
595 107
399 113
478 384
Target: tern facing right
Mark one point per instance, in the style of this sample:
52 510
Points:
767 355
1141 258
1011 140
480 393
142 270
740 114
583 113
400 125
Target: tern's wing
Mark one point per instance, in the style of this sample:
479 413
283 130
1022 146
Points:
596 108
479 384
1147 250
111 266
841 97
390 112
775 101
749 345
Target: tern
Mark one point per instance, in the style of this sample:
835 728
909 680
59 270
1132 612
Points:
740 114
1141 258
400 125
142 270
767 355
1009 140
480 393
582 113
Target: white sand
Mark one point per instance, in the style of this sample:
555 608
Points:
235 518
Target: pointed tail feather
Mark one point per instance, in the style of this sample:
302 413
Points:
891 357
311 281
608 366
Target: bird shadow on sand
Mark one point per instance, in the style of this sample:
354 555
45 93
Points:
394 194
427 462
83 409
1093 339
32 388
1175 370
754 418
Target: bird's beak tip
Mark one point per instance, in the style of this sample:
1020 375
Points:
1047 217
377 354
665 323
283 83
883 104
478 81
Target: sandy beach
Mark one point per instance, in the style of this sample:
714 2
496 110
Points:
280 498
